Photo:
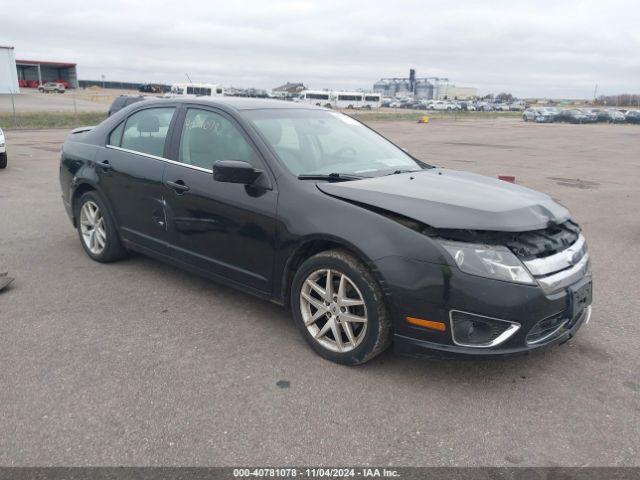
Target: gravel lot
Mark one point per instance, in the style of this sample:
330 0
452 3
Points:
139 363
81 100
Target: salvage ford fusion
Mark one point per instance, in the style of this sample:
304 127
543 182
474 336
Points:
310 208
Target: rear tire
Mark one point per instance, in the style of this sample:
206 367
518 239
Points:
3 160
361 298
97 229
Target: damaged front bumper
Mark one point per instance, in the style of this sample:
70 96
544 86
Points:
499 317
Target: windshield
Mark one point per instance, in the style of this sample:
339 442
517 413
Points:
319 142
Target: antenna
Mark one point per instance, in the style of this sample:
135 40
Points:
189 78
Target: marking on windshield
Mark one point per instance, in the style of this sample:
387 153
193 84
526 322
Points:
345 118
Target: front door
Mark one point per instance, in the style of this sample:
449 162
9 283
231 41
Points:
222 228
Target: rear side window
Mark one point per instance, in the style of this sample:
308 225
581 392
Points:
116 135
146 131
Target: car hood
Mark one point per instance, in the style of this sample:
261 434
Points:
443 198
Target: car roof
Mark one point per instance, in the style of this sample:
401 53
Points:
241 103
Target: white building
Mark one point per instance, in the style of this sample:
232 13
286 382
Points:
451 92
8 71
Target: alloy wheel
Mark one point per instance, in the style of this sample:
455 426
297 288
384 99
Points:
333 310
92 227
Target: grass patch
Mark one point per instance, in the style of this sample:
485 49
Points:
50 120
414 115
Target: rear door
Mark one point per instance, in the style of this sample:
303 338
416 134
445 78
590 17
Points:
224 229
130 170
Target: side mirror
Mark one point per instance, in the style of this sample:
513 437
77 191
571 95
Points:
235 171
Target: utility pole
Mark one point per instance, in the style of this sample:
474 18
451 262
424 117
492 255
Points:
595 93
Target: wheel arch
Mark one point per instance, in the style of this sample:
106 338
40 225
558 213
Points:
80 188
313 245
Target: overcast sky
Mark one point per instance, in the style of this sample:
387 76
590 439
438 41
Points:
558 48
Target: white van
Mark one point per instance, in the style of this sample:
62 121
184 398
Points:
372 100
338 99
197 89
347 99
321 98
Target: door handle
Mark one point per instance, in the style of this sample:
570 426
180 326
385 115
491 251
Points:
105 165
178 186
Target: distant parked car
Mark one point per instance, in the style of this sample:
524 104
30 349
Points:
546 115
610 116
123 101
633 116
151 88
66 84
414 104
3 150
538 115
530 114
573 116
591 114
52 87
484 107
444 105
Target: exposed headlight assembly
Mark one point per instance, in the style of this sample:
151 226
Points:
490 261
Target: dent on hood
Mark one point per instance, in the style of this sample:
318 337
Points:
449 199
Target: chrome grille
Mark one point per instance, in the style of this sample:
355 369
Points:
558 271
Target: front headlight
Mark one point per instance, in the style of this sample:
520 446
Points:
490 261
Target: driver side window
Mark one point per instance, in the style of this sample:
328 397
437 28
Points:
208 137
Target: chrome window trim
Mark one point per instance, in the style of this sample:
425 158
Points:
558 261
162 159
503 337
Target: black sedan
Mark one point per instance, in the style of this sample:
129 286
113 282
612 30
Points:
574 116
311 209
633 116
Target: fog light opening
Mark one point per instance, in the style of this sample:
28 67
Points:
471 330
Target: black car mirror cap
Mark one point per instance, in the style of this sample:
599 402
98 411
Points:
235 171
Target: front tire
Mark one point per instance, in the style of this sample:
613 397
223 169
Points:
339 308
3 160
97 230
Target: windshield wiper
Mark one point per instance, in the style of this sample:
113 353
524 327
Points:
332 177
396 172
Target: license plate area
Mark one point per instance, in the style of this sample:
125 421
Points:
580 297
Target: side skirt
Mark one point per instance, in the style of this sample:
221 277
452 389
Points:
199 271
